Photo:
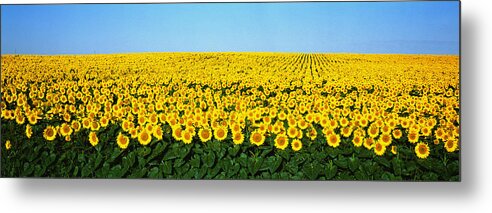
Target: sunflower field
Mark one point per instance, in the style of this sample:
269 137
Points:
281 116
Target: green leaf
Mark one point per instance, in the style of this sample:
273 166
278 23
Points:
234 150
273 163
86 170
115 172
383 161
331 171
184 151
254 165
209 159
292 167
167 167
200 173
233 170
139 173
353 164
396 166
312 170
342 162
154 173
195 161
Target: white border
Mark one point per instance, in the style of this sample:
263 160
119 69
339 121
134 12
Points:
473 194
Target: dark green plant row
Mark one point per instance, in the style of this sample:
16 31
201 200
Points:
169 159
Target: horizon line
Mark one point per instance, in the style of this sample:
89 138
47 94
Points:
279 52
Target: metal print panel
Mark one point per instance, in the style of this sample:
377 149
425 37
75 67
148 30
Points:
249 91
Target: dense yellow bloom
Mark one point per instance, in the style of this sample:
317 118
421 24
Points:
28 131
220 133
122 141
401 98
257 138
333 140
157 132
451 145
144 137
237 138
93 139
65 130
357 141
49 133
8 145
422 150
379 148
281 142
187 137
204 134
296 145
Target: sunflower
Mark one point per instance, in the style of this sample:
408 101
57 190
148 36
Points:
373 131
157 132
122 141
257 138
220 133
292 132
93 138
20 119
144 137
65 130
237 138
8 145
49 133
76 125
236 128
32 118
368 142
344 122
28 131
346 131
385 129
296 145
104 121
177 132
95 126
187 137
302 124
333 140
451 145
439 133
394 149
357 141
204 134
425 131
86 123
422 150
312 134
413 136
379 148
385 139
281 142
397 133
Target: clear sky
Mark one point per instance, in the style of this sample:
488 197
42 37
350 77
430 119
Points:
360 27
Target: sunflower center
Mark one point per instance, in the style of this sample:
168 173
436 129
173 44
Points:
145 136
220 133
422 149
257 137
205 133
296 145
449 144
281 141
379 147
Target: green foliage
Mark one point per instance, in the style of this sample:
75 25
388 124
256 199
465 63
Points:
169 159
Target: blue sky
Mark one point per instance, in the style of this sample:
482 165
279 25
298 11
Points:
360 27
